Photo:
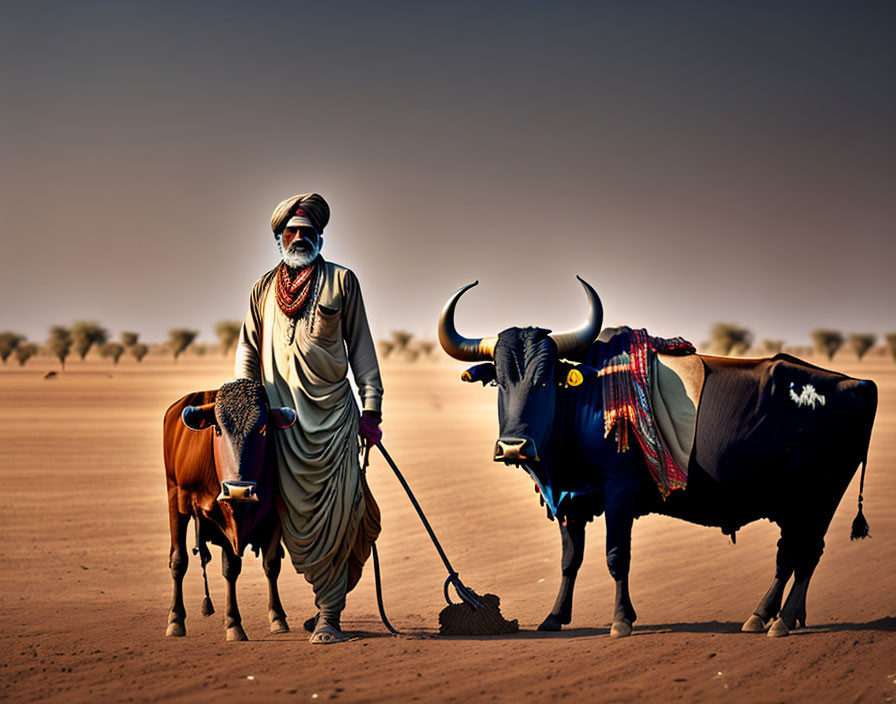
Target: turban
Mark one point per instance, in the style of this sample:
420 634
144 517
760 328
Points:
309 207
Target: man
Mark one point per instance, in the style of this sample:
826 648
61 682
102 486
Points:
306 325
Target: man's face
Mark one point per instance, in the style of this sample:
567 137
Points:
300 246
305 235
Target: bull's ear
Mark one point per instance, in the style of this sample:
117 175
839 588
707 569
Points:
484 372
282 417
199 417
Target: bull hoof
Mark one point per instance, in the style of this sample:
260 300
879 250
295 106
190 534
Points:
779 629
551 623
176 629
621 628
235 633
279 625
754 624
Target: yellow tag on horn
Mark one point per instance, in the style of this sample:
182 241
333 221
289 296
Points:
574 378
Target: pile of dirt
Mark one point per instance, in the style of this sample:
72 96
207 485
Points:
465 620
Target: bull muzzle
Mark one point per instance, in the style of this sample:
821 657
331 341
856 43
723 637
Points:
237 491
511 450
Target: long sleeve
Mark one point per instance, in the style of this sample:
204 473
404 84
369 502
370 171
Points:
361 350
247 362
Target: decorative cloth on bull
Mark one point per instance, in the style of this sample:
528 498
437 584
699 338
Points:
329 520
625 384
309 207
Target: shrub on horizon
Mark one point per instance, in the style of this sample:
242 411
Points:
727 337
60 343
85 334
227 332
827 342
129 339
771 347
25 351
139 351
384 348
890 339
400 339
179 339
9 341
113 350
861 343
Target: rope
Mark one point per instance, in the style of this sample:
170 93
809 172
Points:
379 593
376 557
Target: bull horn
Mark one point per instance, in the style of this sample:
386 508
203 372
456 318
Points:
574 342
466 349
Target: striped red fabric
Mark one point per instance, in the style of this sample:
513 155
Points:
625 384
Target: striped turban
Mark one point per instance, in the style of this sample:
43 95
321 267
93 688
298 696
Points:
308 206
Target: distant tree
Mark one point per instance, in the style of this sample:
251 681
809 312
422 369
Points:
8 342
411 354
113 350
227 332
771 347
129 339
725 337
25 351
139 351
384 348
60 343
401 338
890 339
861 343
86 334
200 350
179 339
826 342
426 347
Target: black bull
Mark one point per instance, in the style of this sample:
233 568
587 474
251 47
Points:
775 438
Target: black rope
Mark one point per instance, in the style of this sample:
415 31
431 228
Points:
379 592
365 446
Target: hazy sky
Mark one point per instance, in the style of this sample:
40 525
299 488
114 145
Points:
695 161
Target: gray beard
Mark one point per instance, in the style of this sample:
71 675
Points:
298 257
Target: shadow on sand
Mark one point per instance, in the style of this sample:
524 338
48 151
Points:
887 624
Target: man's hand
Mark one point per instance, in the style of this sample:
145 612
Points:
369 427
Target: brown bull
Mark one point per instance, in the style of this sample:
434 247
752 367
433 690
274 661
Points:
218 473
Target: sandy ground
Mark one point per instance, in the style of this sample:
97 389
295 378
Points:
85 586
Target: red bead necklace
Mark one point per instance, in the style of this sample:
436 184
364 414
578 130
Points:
292 295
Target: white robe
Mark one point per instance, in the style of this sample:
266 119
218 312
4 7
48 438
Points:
303 364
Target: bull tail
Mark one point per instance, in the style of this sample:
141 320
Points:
859 524
205 557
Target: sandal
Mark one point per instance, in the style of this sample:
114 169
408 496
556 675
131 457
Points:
325 634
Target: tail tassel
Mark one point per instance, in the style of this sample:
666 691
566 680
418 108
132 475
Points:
859 526
207 608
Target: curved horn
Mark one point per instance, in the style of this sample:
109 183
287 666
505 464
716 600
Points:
576 341
466 349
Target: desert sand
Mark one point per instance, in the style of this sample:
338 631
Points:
85 586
